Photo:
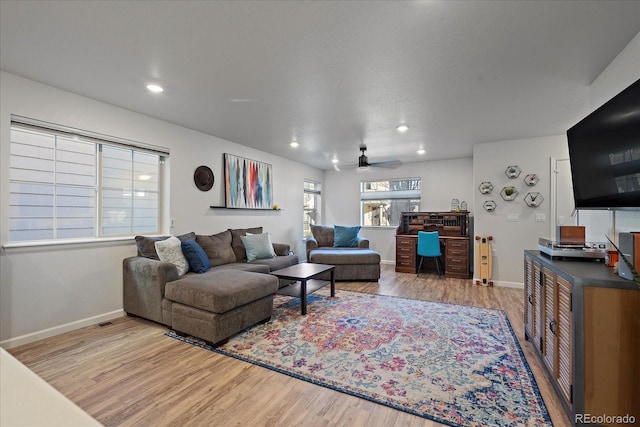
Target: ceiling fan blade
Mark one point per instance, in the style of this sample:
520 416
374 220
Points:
390 164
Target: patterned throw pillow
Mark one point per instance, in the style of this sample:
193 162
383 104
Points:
170 250
146 245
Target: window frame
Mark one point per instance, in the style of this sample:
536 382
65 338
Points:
317 194
100 141
409 195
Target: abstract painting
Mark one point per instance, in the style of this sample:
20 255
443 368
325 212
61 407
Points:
248 183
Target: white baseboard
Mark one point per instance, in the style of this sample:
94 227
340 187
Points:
504 284
61 329
387 262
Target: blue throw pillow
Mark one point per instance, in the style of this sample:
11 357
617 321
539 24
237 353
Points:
345 237
196 256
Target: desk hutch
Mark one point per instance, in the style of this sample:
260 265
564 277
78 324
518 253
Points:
453 229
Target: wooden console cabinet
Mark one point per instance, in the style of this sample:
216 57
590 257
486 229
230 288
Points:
584 322
453 229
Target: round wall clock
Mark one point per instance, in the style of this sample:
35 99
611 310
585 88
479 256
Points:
203 178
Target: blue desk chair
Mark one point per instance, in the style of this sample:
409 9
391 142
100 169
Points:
429 246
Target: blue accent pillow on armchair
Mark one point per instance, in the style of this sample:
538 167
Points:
196 256
345 237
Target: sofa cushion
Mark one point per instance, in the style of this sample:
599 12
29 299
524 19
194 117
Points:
340 256
258 246
196 256
276 263
170 250
323 235
236 241
345 237
244 266
219 292
146 245
217 247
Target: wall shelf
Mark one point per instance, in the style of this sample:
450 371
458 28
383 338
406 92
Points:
244 209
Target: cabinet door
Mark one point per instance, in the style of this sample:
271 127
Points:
528 298
538 319
565 339
550 334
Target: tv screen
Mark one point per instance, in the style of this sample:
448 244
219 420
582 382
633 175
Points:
604 153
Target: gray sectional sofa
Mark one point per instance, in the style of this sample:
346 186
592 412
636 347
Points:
231 296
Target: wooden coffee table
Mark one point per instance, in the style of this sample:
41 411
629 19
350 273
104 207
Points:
305 284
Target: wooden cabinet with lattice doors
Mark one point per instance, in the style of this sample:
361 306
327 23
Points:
582 320
533 302
557 333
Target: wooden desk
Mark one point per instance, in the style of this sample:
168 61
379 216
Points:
455 253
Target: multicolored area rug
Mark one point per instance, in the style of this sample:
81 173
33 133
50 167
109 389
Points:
453 364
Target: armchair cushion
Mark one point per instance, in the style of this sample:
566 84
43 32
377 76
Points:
323 235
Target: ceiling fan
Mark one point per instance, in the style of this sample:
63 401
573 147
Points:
364 164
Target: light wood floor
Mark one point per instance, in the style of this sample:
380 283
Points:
129 374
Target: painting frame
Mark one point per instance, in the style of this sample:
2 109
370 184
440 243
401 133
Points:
248 183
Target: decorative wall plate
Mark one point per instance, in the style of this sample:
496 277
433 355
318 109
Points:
531 179
203 178
509 193
512 171
485 187
489 206
533 199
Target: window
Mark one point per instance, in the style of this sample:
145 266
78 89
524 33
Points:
73 186
311 208
382 202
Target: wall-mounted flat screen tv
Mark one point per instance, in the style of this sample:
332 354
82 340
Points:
604 153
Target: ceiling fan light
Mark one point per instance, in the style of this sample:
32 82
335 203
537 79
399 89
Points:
151 87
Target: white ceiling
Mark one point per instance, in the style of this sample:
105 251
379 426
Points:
329 74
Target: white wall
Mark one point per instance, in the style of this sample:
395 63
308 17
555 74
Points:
511 238
49 290
622 72
441 181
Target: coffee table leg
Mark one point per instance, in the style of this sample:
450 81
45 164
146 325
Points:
333 282
303 296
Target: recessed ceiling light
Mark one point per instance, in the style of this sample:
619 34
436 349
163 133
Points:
334 160
402 128
154 88
294 144
421 151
